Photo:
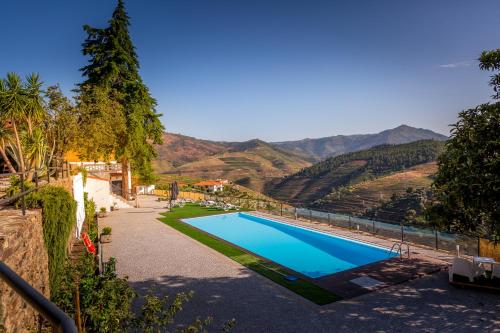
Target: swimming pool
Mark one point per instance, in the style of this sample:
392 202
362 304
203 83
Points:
312 253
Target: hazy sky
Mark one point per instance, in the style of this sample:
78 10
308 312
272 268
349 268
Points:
276 70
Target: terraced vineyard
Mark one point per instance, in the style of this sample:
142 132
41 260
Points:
354 182
368 194
251 164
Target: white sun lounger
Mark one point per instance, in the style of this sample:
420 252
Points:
496 271
465 268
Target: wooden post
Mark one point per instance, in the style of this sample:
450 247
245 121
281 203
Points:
23 197
36 177
281 209
77 306
436 238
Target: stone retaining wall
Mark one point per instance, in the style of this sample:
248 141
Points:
22 249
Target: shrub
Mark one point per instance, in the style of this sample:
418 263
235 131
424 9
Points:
15 188
106 231
59 219
89 217
105 300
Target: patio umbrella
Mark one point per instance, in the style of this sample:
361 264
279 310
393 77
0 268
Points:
174 191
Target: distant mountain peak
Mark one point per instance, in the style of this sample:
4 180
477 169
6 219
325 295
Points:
325 147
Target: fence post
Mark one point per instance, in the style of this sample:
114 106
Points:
281 209
478 246
373 226
402 234
350 227
23 197
310 215
36 177
328 218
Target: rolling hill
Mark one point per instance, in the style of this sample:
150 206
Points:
257 164
251 163
179 149
322 148
367 194
361 179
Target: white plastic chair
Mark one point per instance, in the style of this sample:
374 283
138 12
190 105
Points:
465 268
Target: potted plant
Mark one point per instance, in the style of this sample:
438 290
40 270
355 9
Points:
106 235
102 212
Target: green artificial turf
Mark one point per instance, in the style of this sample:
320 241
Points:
273 272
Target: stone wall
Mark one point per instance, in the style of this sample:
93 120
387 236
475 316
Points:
22 249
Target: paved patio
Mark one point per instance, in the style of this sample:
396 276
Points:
159 258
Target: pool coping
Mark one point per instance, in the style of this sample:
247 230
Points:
390 272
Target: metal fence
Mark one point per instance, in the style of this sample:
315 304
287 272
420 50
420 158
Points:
36 178
420 235
59 321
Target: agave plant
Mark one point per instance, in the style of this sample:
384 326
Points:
5 136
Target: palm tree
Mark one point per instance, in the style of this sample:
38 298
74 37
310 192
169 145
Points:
12 108
34 110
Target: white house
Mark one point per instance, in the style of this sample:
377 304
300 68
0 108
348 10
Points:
211 185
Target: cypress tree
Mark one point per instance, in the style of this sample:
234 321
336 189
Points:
114 66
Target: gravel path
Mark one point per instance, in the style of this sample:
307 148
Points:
158 258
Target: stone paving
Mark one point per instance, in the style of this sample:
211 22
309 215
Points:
160 259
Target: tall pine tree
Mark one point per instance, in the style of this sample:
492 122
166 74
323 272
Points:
114 66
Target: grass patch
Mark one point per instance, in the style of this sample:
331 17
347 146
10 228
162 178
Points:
273 272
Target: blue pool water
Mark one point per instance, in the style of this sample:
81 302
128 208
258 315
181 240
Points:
309 252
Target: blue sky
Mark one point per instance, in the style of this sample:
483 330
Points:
276 70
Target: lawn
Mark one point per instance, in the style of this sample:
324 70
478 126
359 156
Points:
273 272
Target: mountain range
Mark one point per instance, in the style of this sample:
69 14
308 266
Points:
322 148
255 163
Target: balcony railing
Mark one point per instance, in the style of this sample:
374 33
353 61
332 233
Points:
60 321
101 167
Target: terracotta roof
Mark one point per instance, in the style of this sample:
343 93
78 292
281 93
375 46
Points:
209 183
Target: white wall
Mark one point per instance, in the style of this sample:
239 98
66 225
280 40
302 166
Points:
80 202
99 191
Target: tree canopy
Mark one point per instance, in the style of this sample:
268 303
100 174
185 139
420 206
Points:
490 61
467 185
114 66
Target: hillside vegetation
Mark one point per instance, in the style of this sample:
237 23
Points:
251 164
328 177
322 148
356 199
258 164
